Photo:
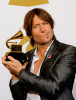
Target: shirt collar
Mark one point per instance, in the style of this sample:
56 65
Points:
35 52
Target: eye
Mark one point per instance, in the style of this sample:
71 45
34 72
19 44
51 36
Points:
45 23
35 26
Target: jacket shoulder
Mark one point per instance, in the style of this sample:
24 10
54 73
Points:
70 47
64 46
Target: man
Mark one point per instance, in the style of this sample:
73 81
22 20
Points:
50 71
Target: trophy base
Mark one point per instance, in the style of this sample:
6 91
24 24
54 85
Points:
18 56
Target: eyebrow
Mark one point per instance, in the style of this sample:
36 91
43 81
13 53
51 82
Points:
36 24
39 24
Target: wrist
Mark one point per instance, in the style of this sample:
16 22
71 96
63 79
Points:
20 72
14 77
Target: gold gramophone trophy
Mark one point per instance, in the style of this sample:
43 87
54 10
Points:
16 49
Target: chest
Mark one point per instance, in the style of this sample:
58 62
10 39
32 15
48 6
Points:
37 64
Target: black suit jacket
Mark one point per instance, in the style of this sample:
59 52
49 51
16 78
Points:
56 75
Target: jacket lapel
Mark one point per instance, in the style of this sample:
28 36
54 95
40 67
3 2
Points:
50 54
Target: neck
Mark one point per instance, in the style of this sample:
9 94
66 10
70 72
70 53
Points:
42 48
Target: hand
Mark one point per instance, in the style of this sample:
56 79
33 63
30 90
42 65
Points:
14 66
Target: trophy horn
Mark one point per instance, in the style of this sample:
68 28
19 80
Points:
16 49
18 35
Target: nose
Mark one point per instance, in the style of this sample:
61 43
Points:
42 28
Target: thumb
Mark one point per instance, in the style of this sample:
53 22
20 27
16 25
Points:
24 65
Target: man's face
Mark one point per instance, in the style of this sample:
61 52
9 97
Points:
41 31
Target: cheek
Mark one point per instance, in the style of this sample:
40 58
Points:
35 33
50 31
35 36
51 34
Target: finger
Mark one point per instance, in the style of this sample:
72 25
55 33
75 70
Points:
7 62
24 65
3 58
27 58
7 66
12 59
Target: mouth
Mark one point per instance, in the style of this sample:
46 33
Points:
46 35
